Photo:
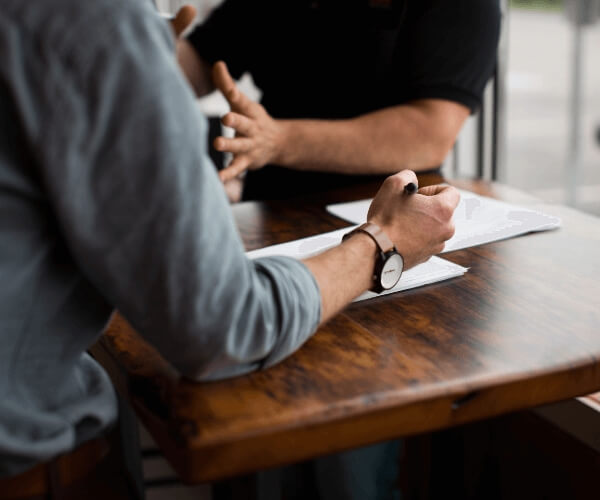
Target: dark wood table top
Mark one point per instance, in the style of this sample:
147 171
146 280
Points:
520 329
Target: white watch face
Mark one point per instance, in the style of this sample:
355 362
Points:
391 272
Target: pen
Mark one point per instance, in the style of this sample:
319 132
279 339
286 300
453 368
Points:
410 188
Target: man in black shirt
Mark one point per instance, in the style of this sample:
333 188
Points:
350 87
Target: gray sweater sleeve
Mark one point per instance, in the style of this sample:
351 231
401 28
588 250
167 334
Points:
123 158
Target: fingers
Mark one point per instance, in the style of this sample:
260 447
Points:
184 18
241 124
418 224
235 168
432 190
401 179
444 193
234 188
234 145
226 85
445 200
408 176
223 80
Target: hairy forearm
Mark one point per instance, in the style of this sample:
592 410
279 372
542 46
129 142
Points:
416 136
343 273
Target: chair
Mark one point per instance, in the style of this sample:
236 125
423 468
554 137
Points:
93 471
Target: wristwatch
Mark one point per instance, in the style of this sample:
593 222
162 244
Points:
390 263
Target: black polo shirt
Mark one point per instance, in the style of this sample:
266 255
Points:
342 58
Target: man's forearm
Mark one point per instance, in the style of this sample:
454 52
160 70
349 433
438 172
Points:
196 70
416 136
343 273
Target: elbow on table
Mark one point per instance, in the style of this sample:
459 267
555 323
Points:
274 309
442 147
437 124
238 344
434 154
226 352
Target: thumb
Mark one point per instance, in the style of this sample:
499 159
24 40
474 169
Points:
183 19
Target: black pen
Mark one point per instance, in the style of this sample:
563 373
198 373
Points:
410 188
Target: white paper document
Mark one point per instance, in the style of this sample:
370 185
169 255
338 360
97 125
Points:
432 271
478 219
303 248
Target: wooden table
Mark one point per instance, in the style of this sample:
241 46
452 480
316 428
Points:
520 329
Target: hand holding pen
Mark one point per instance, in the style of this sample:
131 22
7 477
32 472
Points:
411 188
417 221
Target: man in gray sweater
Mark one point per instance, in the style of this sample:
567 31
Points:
108 200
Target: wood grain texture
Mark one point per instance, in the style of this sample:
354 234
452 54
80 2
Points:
521 328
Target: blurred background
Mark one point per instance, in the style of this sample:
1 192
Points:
554 46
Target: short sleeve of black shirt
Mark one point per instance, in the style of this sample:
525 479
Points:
452 51
443 49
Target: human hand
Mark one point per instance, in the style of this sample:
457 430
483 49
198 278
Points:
258 136
184 18
418 224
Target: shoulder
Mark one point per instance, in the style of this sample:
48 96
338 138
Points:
75 26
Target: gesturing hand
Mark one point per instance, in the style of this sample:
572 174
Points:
418 224
257 135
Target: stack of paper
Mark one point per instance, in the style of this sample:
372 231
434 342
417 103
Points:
478 219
